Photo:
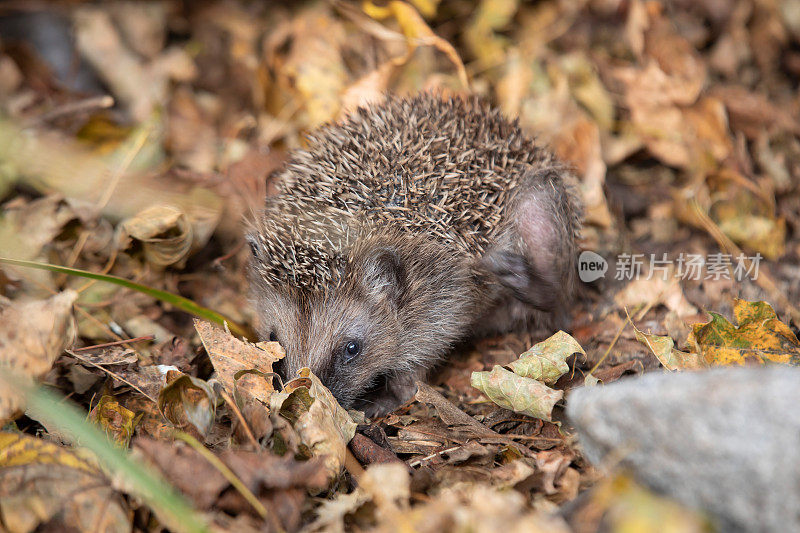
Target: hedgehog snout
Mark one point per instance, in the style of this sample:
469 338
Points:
281 368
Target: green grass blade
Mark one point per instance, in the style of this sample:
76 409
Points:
172 509
179 302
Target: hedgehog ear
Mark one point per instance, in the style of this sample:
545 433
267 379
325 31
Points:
385 276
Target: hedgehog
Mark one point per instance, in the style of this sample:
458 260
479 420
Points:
409 226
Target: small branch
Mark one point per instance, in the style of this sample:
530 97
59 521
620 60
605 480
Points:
115 343
72 108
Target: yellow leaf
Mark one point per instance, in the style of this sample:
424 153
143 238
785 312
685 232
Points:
627 507
760 336
116 420
417 32
546 361
43 483
664 350
745 212
481 36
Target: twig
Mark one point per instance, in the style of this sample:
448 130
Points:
81 106
225 471
610 346
764 280
115 343
112 374
238 413
144 134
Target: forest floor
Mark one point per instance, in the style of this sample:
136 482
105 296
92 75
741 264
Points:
135 138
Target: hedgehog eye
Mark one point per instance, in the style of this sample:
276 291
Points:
351 350
273 337
253 247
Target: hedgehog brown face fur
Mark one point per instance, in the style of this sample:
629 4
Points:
403 229
386 314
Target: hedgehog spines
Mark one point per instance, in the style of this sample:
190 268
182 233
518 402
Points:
444 168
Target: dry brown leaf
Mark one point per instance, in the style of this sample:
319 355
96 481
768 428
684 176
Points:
26 228
165 234
323 425
233 359
661 288
753 112
306 57
32 335
455 417
189 403
662 96
663 347
675 128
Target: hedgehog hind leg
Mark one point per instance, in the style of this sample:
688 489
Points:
518 274
535 259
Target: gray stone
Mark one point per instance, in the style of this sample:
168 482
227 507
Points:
726 441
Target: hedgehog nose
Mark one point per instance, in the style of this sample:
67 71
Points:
281 368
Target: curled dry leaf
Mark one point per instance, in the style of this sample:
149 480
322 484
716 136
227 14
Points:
663 348
164 231
547 360
189 403
42 483
117 421
32 335
234 360
519 390
512 391
323 425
